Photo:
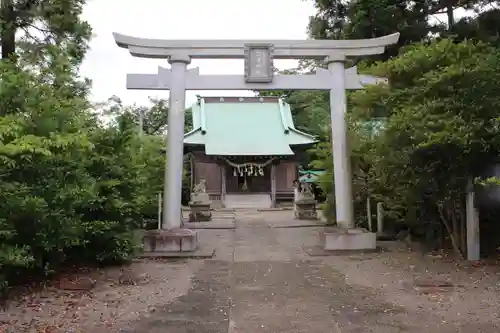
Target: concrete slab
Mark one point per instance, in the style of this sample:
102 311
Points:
319 251
201 253
205 308
228 224
222 216
225 210
159 240
296 224
336 238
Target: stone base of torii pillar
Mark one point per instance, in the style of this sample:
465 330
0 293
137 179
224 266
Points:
339 238
165 242
174 243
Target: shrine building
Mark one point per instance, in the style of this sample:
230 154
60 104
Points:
246 148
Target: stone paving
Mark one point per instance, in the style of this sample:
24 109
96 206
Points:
262 281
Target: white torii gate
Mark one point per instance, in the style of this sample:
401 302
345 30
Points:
258 55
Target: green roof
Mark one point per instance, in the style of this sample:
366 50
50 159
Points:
310 176
245 127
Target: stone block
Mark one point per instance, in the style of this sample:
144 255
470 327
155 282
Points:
306 209
200 212
175 240
200 197
348 239
200 216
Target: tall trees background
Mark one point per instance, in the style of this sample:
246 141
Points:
76 179
436 122
73 174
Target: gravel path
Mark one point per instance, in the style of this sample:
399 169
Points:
262 281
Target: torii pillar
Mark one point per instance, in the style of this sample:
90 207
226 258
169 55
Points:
259 75
341 152
175 144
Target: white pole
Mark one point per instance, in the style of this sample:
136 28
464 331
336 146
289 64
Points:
472 220
172 218
159 210
141 122
380 218
295 197
369 214
341 154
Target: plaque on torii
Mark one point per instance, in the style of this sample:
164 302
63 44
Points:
259 63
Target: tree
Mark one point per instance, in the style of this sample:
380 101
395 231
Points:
155 117
416 21
74 188
338 19
441 128
43 23
482 27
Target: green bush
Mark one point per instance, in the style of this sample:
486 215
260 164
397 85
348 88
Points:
105 242
73 191
440 127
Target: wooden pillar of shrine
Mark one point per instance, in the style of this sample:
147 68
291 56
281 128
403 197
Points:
191 166
273 185
223 185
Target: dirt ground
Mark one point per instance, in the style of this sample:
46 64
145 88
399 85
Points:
262 280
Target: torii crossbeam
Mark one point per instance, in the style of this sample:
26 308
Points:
321 80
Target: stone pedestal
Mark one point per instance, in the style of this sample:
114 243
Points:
200 208
175 240
200 212
200 197
306 209
336 238
384 236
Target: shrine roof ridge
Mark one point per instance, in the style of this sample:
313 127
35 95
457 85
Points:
235 48
239 99
253 126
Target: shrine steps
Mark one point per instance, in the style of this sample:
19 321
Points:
248 200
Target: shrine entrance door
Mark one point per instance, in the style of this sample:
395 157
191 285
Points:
244 182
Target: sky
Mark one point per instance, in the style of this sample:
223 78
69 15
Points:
107 65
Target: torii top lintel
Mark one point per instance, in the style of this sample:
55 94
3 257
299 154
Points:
235 48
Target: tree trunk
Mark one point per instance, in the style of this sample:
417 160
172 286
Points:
8 29
450 16
454 241
463 231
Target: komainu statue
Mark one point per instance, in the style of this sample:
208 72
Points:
305 205
200 203
306 191
201 187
